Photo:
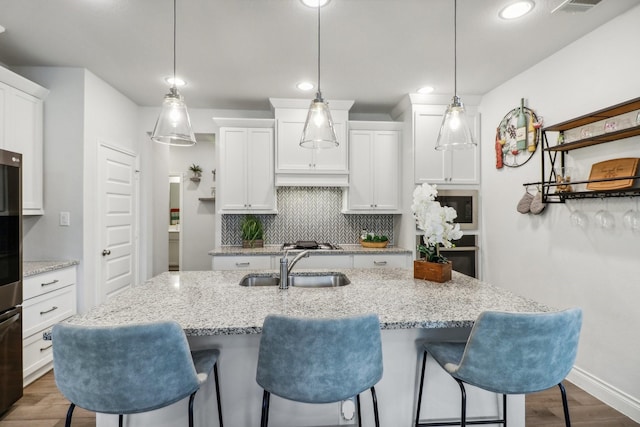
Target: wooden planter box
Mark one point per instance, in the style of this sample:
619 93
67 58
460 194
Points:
247 244
432 271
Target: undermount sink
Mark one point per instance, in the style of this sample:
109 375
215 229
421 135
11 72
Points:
304 280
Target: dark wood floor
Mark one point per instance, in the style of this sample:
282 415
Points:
43 406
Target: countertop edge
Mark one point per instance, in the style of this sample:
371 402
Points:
32 268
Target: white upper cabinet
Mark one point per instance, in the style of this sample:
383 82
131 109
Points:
299 166
245 168
21 122
374 164
443 167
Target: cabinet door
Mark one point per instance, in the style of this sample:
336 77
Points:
260 175
233 169
443 167
386 170
23 134
290 156
360 165
333 159
428 162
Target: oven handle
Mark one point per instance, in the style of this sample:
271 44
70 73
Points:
8 322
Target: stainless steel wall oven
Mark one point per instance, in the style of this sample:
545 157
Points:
10 278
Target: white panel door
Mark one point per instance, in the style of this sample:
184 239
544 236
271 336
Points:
117 180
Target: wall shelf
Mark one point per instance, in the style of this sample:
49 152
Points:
548 183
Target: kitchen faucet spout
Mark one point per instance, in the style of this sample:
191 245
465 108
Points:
285 267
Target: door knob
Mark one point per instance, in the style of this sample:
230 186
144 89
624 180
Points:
106 252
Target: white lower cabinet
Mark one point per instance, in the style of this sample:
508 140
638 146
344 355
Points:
272 262
381 261
49 298
322 261
256 262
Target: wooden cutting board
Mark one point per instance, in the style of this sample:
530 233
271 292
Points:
611 169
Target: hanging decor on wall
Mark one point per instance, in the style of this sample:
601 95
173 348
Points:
517 137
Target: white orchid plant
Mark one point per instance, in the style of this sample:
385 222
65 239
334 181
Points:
435 221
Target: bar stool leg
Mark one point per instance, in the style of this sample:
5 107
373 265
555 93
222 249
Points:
424 364
359 413
215 377
463 412
565 405
375 406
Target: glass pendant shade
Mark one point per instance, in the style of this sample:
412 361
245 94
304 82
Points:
318 129
173 126
455 132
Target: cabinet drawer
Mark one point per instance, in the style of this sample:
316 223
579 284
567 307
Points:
380 261
36 353
242 263
322 261
45 310
40 284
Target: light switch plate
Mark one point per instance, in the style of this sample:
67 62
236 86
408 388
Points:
65 219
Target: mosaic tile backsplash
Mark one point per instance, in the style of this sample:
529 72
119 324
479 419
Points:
309 213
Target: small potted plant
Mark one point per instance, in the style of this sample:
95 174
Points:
436 222
252 232
196 172
372 240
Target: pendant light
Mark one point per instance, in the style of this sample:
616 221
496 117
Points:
318 129
173 126
455 132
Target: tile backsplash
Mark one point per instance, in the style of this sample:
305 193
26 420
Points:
309 213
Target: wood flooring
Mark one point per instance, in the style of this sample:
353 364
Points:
43 406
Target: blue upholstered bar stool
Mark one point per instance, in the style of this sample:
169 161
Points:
129 369
509 353
319 360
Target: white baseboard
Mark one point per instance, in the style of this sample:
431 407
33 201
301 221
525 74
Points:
617 399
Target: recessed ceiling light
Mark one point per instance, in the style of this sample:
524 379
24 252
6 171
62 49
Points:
314 3
426 89
517 9
178 81
305 86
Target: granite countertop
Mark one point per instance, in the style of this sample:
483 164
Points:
347 249
31 268
212 302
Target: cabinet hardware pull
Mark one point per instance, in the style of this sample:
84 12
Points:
46 348
379 262
53 282
49 311
106 252
242 264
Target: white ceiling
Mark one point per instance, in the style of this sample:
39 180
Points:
236 54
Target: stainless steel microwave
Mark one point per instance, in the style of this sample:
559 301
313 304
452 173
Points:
465 202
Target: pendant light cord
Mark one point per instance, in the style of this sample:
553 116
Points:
455 47
174 43
319 92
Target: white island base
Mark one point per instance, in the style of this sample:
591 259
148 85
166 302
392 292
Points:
396 392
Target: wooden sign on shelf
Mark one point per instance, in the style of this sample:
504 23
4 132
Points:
612 169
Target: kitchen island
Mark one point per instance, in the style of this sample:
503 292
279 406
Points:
215 311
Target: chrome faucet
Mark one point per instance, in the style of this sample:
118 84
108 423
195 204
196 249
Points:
285 267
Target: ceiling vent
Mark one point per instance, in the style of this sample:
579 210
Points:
576 6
